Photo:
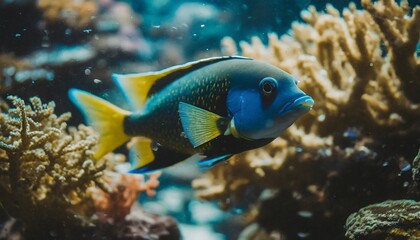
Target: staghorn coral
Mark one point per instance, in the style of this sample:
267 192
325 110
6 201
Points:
44 165
75 41
9 64
115 205
75 14
340 63
360 67
17 72
52 188
397 219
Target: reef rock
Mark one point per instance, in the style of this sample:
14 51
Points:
399 219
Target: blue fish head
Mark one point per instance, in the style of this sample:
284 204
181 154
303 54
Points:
267 104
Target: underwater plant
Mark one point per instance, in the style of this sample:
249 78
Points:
50 183
356 146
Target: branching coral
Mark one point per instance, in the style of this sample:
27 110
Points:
9 67
43 165
74 14
349 64
114 206
49 181
362 71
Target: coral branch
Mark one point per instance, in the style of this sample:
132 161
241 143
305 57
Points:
402 33
362 70
49 181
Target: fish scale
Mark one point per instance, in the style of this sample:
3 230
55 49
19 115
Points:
156 123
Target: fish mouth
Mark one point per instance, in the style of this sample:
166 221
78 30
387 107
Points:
303 103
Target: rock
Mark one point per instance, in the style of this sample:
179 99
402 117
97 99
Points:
398 219
141 225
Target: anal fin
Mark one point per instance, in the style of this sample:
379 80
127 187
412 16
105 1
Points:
145 158
141 152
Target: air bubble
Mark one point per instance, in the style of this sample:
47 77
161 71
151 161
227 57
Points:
321 117
155 146
305 214
404 166
303 234
68 32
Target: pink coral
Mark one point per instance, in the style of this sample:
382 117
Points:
115 205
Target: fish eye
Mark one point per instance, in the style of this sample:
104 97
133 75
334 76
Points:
268 86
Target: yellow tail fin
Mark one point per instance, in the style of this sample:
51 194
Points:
104 117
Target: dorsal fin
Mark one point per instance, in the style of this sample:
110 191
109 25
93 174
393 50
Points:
137 87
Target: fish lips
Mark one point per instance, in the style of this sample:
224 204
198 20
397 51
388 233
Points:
301 104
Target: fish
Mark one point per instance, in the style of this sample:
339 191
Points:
209 109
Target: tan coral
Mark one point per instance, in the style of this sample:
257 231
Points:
42 165
75 14
9 66
359 86
48 179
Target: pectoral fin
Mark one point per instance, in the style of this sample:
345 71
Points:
199 125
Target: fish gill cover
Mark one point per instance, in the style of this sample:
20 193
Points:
353 151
